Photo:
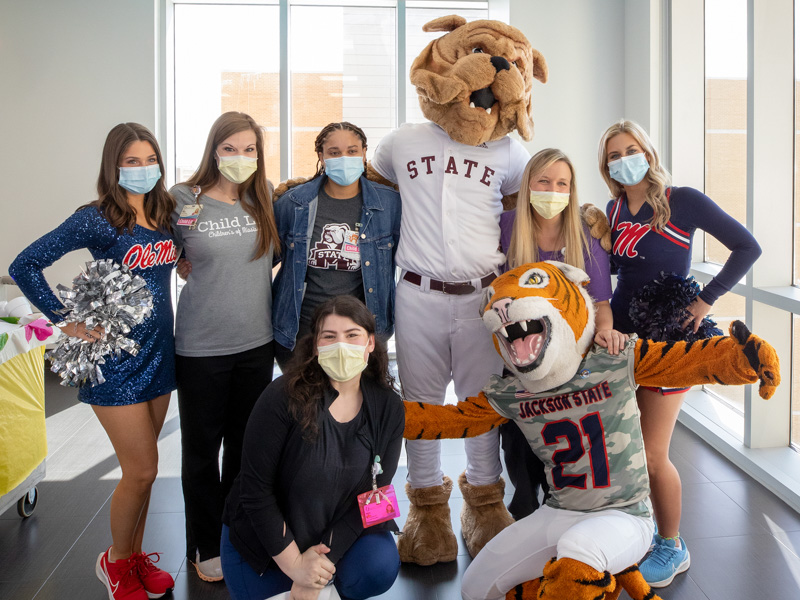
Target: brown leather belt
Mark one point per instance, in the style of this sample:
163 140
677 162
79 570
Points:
450 287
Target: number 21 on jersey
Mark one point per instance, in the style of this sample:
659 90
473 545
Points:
586 434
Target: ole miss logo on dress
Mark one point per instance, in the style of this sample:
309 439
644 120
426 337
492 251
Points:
628 234
151 255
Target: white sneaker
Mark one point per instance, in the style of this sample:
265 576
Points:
208 570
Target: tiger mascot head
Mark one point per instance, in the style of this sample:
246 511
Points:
542 320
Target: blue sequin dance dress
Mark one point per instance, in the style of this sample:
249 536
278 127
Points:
151 254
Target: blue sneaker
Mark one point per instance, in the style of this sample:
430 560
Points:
664 563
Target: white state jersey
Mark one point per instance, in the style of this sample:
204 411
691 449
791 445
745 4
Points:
452 199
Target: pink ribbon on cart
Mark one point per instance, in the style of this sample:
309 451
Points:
40 328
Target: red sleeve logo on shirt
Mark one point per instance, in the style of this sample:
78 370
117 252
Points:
152 255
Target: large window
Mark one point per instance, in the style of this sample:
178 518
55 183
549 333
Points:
726 145
343 69
226 58
342 61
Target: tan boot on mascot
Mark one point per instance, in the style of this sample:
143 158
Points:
427 536
483 514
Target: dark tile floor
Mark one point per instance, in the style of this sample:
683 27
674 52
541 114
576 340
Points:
745 543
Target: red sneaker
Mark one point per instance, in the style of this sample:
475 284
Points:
120 578
156 582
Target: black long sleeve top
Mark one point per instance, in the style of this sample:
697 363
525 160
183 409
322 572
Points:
290 489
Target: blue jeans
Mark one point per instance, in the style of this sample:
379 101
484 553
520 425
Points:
367 569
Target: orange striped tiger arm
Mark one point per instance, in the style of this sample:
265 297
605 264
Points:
735 360
468 418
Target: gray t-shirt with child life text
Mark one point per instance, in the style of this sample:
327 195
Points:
226 305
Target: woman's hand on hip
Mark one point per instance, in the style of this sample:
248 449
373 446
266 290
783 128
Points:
698 309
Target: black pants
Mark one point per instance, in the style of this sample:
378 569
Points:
525 471
215 397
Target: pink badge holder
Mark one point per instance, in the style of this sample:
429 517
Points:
380 503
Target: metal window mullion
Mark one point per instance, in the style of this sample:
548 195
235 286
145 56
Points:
770 166
285 92
401 62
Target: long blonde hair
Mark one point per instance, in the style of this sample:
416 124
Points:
254 188
658 177
524 245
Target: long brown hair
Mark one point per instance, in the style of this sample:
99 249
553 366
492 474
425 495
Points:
112 198
524 245
254 191
657 176
307 382
326 131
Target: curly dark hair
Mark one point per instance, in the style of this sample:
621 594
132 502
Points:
306 382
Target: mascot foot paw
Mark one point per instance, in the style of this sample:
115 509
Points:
428 536
483 515
528 590
569 578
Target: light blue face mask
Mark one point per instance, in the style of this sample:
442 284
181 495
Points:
344 170
139 180
629 170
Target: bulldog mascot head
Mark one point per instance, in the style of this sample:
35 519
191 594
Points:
475 81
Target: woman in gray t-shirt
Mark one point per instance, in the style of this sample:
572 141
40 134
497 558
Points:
223 328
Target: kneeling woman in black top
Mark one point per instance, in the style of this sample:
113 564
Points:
292 520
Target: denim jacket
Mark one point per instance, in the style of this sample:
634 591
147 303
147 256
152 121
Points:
295 212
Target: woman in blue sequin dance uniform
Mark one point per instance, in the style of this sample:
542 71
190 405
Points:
129 223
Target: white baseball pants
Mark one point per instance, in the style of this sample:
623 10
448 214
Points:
440 337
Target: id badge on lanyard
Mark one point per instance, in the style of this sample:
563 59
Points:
190 212
380 503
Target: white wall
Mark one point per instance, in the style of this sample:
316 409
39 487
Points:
599 58
70 71
582 42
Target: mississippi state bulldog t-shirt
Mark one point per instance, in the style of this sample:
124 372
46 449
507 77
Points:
334 260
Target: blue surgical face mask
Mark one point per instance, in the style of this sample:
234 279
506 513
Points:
139 180
344 170
629 170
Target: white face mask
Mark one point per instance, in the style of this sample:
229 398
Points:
549 204
342 361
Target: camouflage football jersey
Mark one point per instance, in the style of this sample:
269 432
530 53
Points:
586 432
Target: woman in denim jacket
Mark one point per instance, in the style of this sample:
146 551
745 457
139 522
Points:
339 234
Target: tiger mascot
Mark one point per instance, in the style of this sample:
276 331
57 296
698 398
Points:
576 405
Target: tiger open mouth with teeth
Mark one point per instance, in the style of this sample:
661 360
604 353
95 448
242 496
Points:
525 342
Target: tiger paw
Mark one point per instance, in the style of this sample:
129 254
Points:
528 590
484 514
428 536
569 578
761 356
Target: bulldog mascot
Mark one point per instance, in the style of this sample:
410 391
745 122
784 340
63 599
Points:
474 84
576 405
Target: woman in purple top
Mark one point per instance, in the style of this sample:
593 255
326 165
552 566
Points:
652 225
547 226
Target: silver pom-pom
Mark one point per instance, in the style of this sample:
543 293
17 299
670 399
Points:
105 295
